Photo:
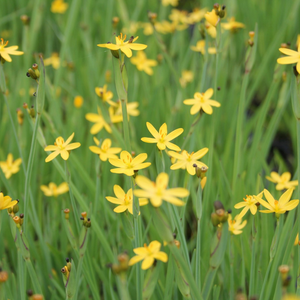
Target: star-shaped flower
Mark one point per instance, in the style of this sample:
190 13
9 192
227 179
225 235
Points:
188 160
61 147
53 190
148 254
292 58
10 166
124 200
59 6
200 47
162 138
5 52
105 151
125 47
128 165
232 25
157 191
99 120
235 226
104 94
283 181
278 207
202 101
5 202
143 63
212 17
248 203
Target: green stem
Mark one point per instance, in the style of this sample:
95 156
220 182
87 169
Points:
68 176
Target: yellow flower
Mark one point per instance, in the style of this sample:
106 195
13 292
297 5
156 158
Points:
157 191
61 147
162 138
169 2
186 77
232 25
5 52
115 111
212 18
105 151
290 297
105 95
296 242
53 60
5 202
200 47
278 207
9 166
195 16
212 31
78 101
59 6
283 181
99 120
148 254
142 63
128 165
202 101
235 226
124 200
125 47
53 190
292 58
298 41
188 160
248 203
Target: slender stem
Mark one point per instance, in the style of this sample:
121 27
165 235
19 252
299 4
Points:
68 176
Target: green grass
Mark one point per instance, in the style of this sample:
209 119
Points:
255 131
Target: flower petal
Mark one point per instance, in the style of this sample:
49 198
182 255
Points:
119 192
147 263
287 60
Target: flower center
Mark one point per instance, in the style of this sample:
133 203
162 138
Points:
59 143
121 38
127 199
127 161
2 45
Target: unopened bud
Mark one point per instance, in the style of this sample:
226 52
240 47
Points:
115 21
20 116
152 17
177 244
218 205
32 74
37 297
67 213
25 19
15 208
3 276
32 112
215 219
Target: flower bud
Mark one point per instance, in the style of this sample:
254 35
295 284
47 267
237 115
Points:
215 219
218 205
69 265
67 213
3 276
115 22
20 116
37 297
16 208
32 112
25 20
31 73
222 12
